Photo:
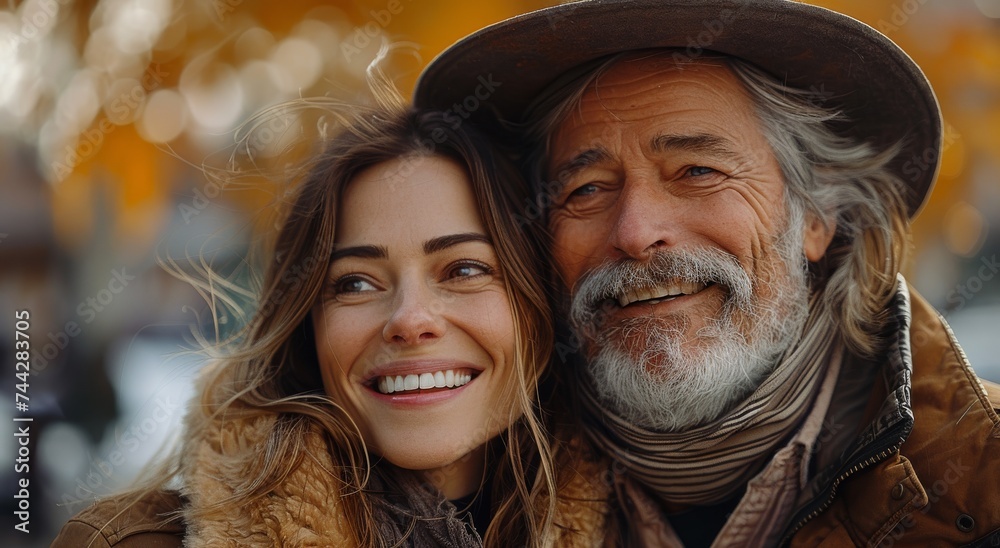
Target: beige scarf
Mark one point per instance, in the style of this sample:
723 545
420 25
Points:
712 463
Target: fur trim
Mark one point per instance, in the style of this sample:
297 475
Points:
583 491
221 451
303 512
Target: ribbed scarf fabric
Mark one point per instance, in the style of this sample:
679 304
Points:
415 516
711 463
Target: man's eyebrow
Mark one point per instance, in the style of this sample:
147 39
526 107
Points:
360 251
580 161
700 142
443 242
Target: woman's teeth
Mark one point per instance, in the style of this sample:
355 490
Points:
423 381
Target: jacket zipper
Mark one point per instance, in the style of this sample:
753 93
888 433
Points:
906 426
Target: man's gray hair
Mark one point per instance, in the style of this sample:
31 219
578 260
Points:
834 179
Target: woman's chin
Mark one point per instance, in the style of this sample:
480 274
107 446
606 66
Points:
426 460
454 473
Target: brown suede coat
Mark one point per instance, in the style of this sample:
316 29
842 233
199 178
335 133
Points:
304 512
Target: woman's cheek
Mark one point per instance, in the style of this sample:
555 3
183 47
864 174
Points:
346 333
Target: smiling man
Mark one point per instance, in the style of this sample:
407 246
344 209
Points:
729 188
669 227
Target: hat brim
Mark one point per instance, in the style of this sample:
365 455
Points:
851 66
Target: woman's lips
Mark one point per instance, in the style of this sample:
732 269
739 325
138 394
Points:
420 377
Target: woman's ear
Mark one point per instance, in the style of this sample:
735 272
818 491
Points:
818 235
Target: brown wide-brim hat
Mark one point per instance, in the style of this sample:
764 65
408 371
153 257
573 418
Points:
852 67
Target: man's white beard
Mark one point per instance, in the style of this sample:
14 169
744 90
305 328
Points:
644 372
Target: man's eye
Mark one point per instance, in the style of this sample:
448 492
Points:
584 190
468 269
698 171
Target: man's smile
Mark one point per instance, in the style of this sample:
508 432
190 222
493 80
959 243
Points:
656 294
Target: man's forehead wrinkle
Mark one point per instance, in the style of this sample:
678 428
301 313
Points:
626 86
624 103
594 94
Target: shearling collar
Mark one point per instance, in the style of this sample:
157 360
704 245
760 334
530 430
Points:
306 510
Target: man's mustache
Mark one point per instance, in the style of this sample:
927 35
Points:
598 291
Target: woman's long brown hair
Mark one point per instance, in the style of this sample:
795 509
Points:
272 367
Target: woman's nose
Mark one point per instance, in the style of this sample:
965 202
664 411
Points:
416 317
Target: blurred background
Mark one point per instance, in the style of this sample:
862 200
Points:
117 115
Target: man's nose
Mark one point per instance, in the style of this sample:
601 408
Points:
416 315
644 220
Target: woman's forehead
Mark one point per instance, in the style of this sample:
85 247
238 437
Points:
407 199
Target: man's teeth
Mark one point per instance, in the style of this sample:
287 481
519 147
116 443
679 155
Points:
660 292
424 381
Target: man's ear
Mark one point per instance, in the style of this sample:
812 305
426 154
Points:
818 235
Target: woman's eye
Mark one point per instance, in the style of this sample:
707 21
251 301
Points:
698 171
352 284
468 270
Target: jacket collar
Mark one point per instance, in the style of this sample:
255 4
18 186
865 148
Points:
885 430
223 453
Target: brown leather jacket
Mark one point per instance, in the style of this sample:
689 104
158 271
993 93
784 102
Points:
141 525
927 470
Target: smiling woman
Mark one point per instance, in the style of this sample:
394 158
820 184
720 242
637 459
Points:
415 332
385 392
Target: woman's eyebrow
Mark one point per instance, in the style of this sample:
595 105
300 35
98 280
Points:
360 251
443 242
